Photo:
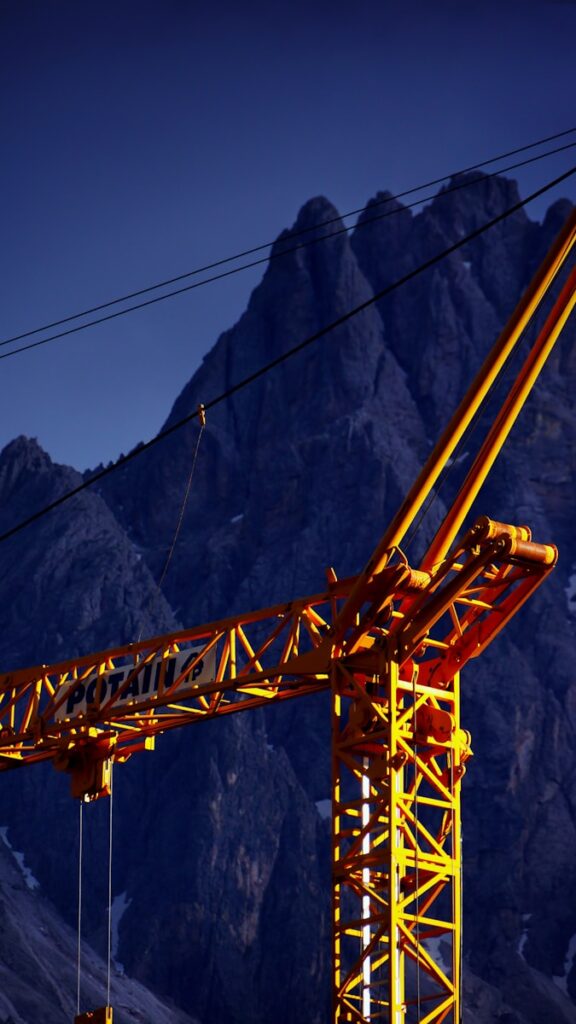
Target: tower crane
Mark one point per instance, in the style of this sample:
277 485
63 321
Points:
388 646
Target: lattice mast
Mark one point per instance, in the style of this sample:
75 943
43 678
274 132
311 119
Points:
389 645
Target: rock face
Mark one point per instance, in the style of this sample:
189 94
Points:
38 961
222 856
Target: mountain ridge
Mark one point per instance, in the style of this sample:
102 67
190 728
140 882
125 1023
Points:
300 471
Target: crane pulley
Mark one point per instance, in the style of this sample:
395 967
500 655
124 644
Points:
389 645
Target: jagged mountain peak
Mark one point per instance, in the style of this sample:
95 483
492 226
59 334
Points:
20 458
317 219
24 447
556 215
299 471
381 206
490 194
314 212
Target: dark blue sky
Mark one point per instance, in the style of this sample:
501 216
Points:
140 139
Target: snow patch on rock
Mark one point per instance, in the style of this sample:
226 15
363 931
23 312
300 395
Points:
524 936
434 947
561 980
27 875
570 591
120 905
324 808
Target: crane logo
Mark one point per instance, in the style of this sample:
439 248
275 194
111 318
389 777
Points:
136 684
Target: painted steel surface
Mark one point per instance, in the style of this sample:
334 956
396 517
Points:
388 645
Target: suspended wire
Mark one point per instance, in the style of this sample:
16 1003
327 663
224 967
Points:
183 507
293 234
181 513
448 470
110 821
264 259
444 478
416 851
79 949
288 354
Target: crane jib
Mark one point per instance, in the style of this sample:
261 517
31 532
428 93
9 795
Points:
108 686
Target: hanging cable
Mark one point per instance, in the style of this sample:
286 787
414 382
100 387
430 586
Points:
202 419
288 354
443 480
79 950
110 822
492 399
268 259
303 231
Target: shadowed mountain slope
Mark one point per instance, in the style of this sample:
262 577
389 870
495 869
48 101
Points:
220 846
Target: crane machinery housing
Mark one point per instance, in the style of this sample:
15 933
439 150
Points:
388 645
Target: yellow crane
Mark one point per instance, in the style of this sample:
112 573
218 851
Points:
388 645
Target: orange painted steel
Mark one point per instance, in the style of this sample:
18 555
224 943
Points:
102 1016
504 422
389 646
399 752
112 701
464 414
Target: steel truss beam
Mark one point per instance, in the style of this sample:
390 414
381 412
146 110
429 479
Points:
398 758
389 644
114 701
398 749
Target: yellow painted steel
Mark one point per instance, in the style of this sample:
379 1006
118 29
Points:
503 423
389 644
396 851
464 415
102 1016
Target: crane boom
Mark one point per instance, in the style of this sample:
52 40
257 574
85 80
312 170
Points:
110 702
389 644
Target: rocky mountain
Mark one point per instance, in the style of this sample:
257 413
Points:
221 840
38 961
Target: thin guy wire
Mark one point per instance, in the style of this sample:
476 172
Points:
108 973
288 354
448 470
79 951
272 256
180 519
182 509
292 234
445 477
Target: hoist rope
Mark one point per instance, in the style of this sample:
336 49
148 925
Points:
287 354
182 509
461 958
289 235
79 950
110 821
457 911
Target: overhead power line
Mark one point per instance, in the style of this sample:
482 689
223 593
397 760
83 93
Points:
293 234
257 374
282 252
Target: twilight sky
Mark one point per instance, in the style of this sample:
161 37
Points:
141 138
